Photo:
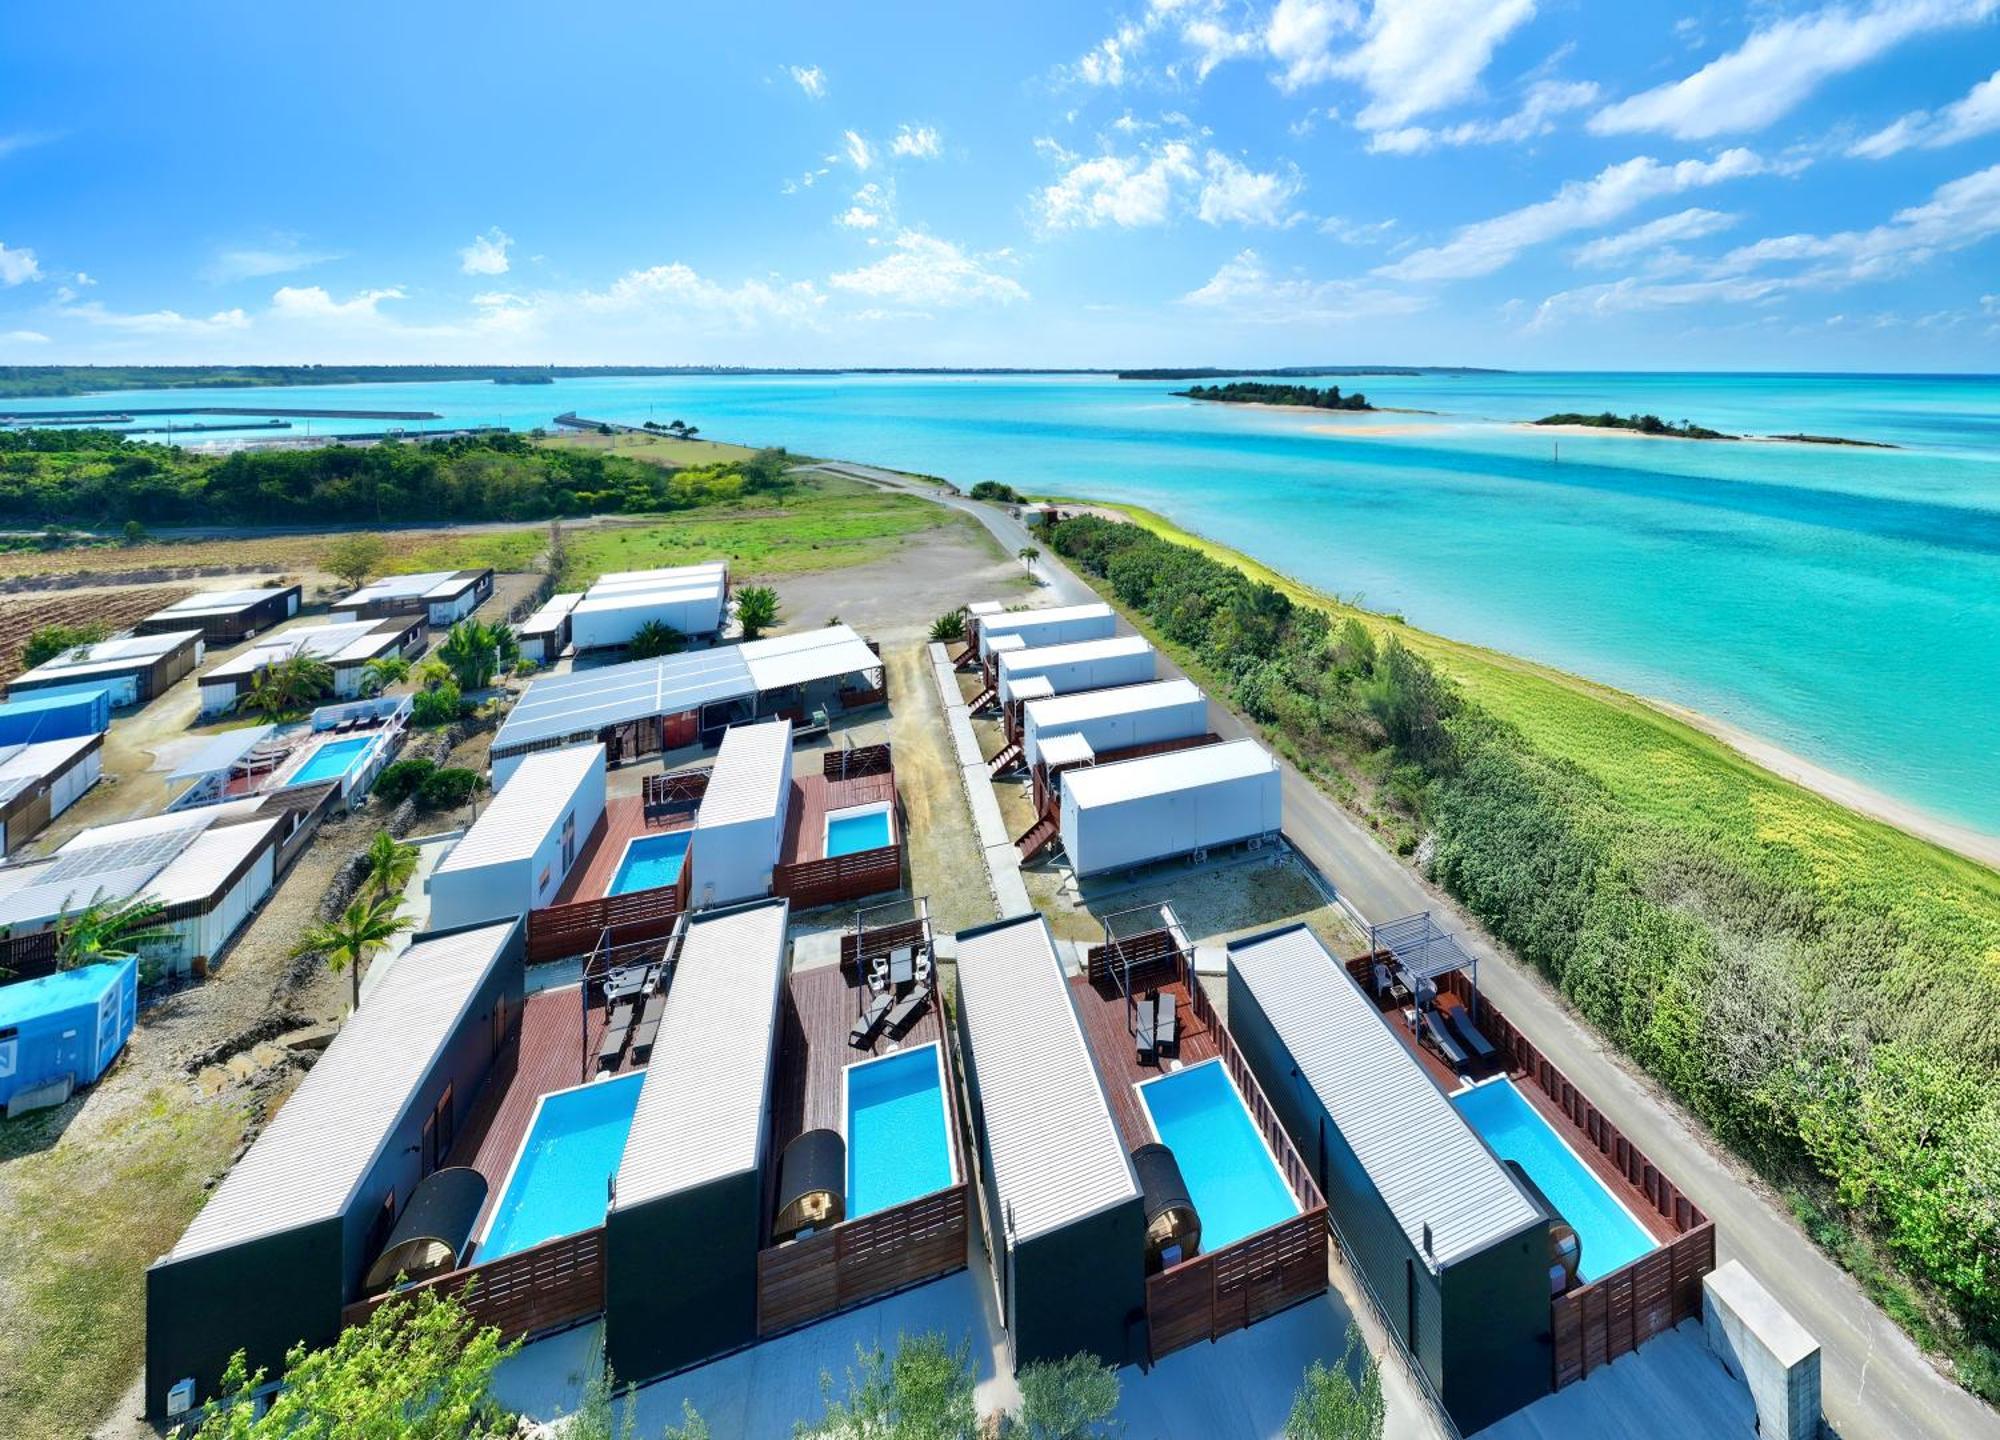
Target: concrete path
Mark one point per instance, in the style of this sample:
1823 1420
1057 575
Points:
1875 1382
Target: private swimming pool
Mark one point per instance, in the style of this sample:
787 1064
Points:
1230 1173
866 827
332 760
898 1130
560 1180
1606 1231
650 862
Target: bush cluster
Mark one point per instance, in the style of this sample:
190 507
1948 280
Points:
1829 1038
435 787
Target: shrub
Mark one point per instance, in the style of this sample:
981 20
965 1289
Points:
51 640
439 706
655 638
399 781
756 610
448 788
949 626
998 493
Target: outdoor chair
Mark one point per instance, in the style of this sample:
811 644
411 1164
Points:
1385 986
1429 1026
906 1011
1166 1026
1461 1025
612 1045
870 1024
1145 1037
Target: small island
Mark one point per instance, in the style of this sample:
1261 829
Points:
1835 440
1638 424
1251 392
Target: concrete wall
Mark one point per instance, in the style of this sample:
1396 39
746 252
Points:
1758 1340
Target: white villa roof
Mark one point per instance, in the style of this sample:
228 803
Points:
551 613
110 657
630 597
326 1137
29 762
1424 1160
1055 1152
218 602
1041 658
1117 700
703 1107
1029 619
1035 687
709 571
1068 748
1162 774
430 584
525 809
219 752
135 857
345 643
751 766
806 656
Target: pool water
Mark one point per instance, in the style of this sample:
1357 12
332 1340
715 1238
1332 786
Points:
561 1178
651 862
1609 1236
898 1147
1231 1177
850 832
332 760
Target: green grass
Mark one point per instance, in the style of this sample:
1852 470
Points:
84 1218
654 449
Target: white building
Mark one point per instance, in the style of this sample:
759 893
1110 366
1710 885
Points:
544 635
442 597
692 599
1056 626
1118 718
132 669
1082 665
346 647
1159 806
39 781
516 856
739 831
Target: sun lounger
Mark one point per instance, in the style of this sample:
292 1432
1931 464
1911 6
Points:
906 1011
870 1024
612 1045
1166 1026
1462 1026
643 1036
1145 1037
1440 1037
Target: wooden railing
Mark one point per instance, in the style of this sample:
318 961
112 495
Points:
27 957
862 699
862 1260
558 932
1230 1289
673 793
1135 958
1616 1314
552 1286
842 877
862 760
880 941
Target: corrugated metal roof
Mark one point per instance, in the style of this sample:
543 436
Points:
122 652
630 597
323 1141
1159 774
586 701
550 614
219 602
345 640
704 1105
1055 1152
1018 664
828 654
1068 748
526 809
1118 700
1427 1164
221 751
431 584
752 766
196 874
1030 619
33 759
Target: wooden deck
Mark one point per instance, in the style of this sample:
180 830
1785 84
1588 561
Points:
547 1057
1106 1027
813 797
624 820
815 1051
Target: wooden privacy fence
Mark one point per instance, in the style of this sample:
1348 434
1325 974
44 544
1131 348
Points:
27 957
861 1260
673 793
558 932
880 941
1232 1288
554 1285
1596 1323
836 765
843 877
1135 957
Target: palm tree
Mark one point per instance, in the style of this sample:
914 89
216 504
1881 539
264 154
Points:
475 651
756 610
390 864
108 929
655 638
286 686
430 673
382 672
1028 555
351 940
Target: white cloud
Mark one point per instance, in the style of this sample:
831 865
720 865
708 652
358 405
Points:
1614 192
1214 42
313 303
1209 31
677 288
926 271
159 322
1975 113
281 255
1535 118
487 254
917 142
1300 36
1356 232
82 280
1104 63
24 337
1422 55
1690 224
859 153
809 78
1631 294
16 142
1245 290
1779 65
1150 186
873 207
18 266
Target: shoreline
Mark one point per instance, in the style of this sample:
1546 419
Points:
1818 442
1829 785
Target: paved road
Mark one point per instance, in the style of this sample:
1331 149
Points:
1876 1384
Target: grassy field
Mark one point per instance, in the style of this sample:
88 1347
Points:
655 449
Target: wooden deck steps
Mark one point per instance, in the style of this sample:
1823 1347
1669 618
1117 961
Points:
966 659
1039 836
1012 758
989 696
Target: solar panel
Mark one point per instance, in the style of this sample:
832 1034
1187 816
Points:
141 852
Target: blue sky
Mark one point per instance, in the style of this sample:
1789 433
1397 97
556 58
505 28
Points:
1538 183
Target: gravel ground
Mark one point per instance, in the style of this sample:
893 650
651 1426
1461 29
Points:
945 861
895 600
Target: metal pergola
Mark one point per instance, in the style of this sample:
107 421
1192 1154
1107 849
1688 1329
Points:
1123 926
1422 951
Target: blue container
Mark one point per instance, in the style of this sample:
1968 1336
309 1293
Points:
55 717
71 1023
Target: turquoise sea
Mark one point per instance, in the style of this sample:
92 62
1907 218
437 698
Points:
1843 603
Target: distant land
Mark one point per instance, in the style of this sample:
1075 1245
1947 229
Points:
1303 372
1251 392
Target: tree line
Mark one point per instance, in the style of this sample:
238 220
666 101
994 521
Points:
97 477
1835 1037
1253 392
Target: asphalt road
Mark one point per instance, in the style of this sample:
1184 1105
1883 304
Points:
1875 1384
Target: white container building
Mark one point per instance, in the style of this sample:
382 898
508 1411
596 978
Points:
692 599
516 856
739 831
39 781
1160 806
1082 665
1056 626
346 647
1118 718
